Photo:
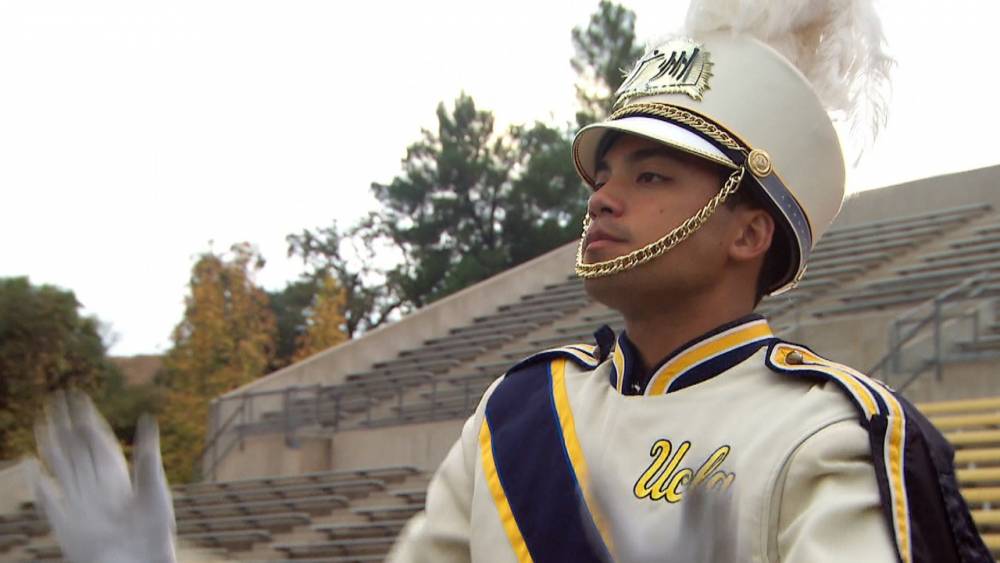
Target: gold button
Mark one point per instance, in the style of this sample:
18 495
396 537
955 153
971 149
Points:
759 162
794 357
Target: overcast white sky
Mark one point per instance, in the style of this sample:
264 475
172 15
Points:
132 133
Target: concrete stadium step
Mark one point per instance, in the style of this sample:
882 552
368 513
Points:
977 456
386 528
859 258
981 251
461 351
834 271
984 518
913 234
944 216
486 340
983 343
362 546
32 524
401 374
7 541
45 551
430 362
373 558
876 304
965 421
388 474
981 495
945 275
865 247
960 406
313 505
978 476
387 513
947 264
602 316
278 522
412 496
985 236
231 540
973 437
349 489
992 541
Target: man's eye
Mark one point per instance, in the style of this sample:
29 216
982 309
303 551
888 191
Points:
650 177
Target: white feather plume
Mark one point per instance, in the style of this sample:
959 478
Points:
837 44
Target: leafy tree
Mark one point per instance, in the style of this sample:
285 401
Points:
445 210
122 404
470 201
226 339
324 327
289 306
45 345
370 299
547 199
605 51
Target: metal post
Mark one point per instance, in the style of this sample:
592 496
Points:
893 338
937 340
286 397
336 411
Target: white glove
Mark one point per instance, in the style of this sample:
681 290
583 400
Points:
102 516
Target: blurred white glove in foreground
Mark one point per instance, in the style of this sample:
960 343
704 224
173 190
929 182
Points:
102 516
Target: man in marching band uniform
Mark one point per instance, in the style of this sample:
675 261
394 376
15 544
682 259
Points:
695 434
614 451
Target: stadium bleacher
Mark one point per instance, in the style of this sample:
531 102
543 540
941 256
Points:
328 516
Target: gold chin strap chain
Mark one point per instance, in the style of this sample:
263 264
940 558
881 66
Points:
658 248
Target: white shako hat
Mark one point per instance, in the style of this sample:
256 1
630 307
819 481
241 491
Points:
720 93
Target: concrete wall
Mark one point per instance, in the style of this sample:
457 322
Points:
422 445
16 482
858 341
269 454
958 381
921 196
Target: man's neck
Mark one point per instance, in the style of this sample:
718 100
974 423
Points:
656 333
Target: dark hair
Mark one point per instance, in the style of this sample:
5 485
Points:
776 259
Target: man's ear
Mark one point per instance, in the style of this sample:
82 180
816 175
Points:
756 231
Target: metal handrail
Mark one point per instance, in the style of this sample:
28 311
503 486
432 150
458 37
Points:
934 316
216 436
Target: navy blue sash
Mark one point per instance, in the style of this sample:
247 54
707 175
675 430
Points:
526 442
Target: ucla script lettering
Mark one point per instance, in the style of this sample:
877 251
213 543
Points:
666 479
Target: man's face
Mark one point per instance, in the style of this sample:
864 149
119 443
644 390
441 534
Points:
642 191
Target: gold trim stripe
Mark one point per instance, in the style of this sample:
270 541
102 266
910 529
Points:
574 449
861 394
862 388
618 359
892 451
706 350
582 352
499 497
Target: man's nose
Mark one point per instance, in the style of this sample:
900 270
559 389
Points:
606 201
